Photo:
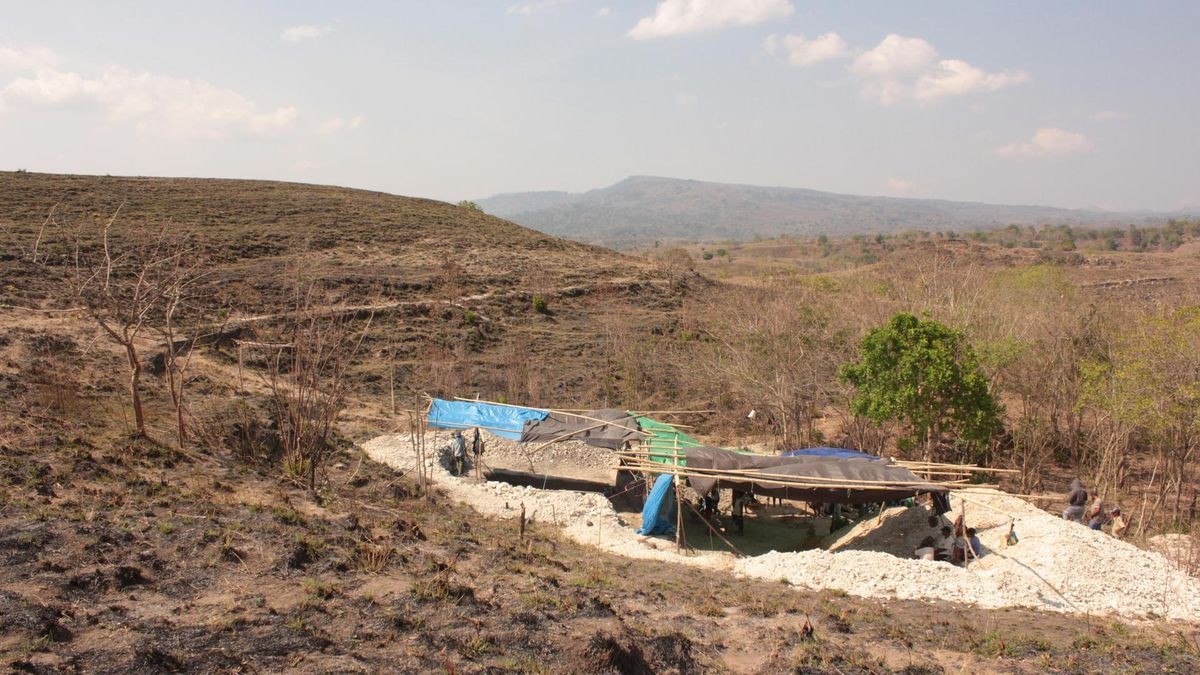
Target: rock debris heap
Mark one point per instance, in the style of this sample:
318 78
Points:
1057 565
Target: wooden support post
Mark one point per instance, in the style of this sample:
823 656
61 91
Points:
521 523
678 516
968 551
392 386
713 530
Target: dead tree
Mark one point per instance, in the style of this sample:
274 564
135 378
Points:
307 379
187 270
122 286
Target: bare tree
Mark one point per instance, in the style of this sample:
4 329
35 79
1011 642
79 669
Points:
186 271
308 381
773 349
122 286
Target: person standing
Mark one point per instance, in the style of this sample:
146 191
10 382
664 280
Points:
709 504
739 511
1077 499
477 452
460 453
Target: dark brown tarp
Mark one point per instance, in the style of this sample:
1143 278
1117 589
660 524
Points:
900 482
622 428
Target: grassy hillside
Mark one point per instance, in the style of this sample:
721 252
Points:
451 288
642 209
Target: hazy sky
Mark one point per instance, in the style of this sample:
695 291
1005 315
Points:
1061 103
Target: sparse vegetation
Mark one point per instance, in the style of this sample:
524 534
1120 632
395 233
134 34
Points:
353 568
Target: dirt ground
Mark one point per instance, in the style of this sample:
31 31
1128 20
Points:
120 554
138 558
124 554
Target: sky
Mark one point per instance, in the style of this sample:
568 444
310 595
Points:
1066 103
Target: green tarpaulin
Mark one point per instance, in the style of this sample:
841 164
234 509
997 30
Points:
665 443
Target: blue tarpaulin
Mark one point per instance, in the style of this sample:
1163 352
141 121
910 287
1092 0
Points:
500 420
841 453
658 513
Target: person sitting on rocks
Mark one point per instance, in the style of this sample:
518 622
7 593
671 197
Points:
966 547
1119 523
974 543
927 550
945 545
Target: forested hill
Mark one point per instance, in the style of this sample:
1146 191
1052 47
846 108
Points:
642 209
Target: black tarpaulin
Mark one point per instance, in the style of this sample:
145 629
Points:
607 428
859 480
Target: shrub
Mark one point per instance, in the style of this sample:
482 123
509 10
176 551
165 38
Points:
540 305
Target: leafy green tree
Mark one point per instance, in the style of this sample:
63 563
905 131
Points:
925 374
468 204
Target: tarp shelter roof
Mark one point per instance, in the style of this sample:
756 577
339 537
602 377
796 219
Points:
502 420
857 480
665 443
588 427
843 453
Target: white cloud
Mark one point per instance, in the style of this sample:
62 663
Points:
801 51
305 32
903 68
952 77
1109 116
17 59
604 11
896 55
50 88
899 187
685 98
167 106
1047 142
336 124
529 8
679 17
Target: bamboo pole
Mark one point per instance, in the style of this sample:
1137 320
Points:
566 436
964 472
787 482
908 464
549 410
473 426
678 501
967 551
776 477
714 531
639 455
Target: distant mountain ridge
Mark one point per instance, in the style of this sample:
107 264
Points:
642 209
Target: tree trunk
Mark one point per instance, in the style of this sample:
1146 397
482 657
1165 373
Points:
176 400
135 376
